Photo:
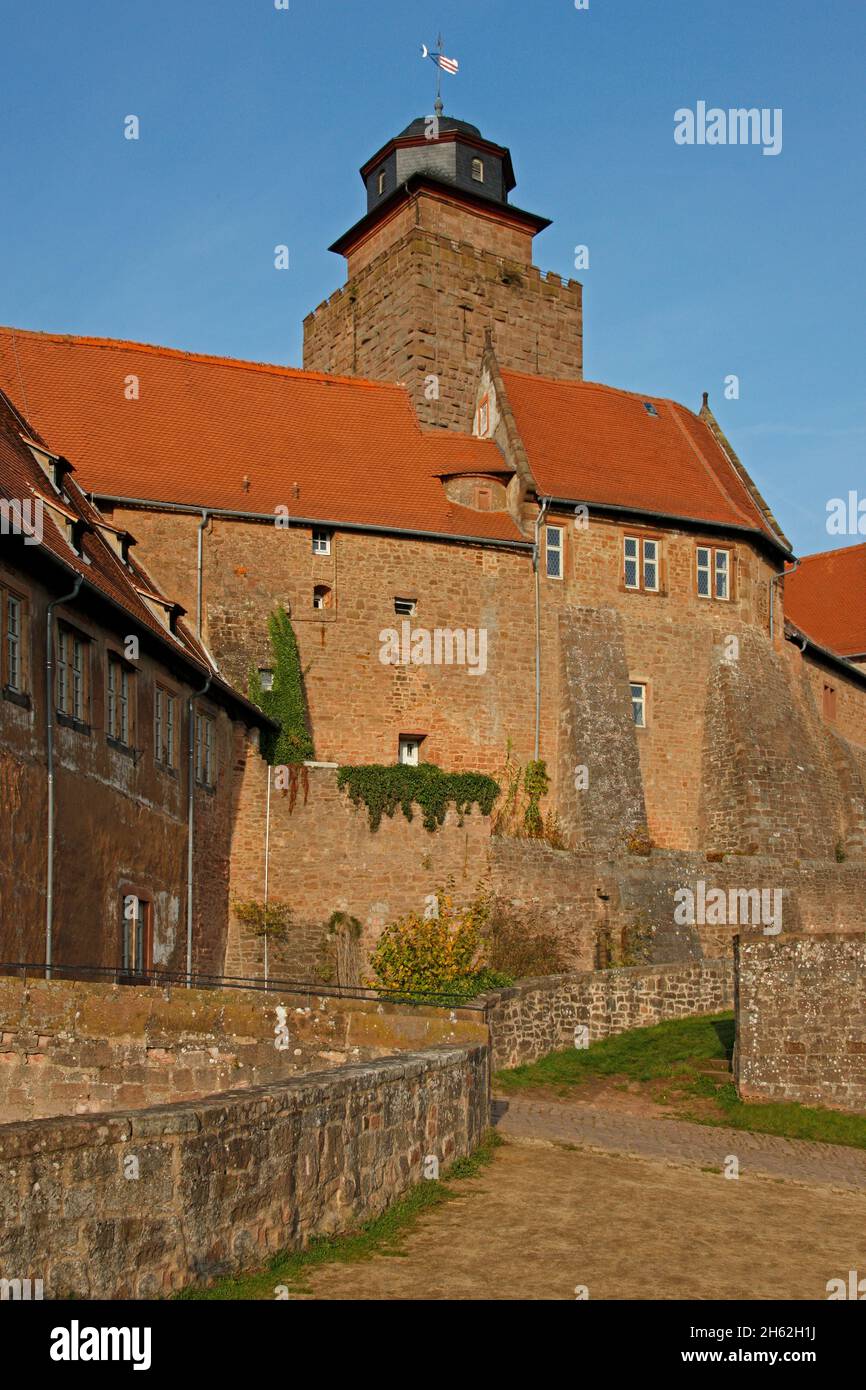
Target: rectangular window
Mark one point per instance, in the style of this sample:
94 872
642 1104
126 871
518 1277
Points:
713 571
638 705
553 550
632 564
136 937
404 607
483 417
164 709
119 722
409 750
641 564
73 675
205 759
651 565
704 558
321 542
14 671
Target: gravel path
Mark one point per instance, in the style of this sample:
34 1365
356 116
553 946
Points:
594 1127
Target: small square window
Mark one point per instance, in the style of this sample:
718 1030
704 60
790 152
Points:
321 542
650 409
409 749
266 677
405 607
638 705
553 551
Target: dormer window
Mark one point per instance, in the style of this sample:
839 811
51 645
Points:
380 182
478 170
650 408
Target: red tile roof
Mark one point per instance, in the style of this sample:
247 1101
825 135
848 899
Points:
224 434
825 597
593 443
23 481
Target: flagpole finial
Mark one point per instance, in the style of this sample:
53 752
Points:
438 107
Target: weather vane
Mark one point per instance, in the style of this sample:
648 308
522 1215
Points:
443 64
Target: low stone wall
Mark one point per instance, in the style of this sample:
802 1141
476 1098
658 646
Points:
539 1016
72 1047
137 1204
801 1019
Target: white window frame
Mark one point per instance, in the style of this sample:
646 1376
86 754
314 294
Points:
408 611
634 558
411 746
321 541
704 567
557 550
707 559
479 165
723 572
638 701
651 588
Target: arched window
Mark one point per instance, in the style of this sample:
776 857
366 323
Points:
321 596
381 181
478 170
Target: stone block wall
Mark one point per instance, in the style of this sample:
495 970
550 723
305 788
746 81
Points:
74 1047
219 1186
801 1019
539 1016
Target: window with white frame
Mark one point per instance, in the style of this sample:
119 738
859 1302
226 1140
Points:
321 542
713 570
409 749
638 704
641 564
482 417
478 170
553 543
119 722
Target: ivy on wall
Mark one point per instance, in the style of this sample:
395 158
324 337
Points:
383 787
286 701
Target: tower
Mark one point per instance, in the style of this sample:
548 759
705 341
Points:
439 258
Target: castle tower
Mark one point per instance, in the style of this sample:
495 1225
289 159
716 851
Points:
440 257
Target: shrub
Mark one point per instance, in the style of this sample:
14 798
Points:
382 787
271 920
440 956
519 944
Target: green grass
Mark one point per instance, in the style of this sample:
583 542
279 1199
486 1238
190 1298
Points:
640 1055
677 1050
385 1235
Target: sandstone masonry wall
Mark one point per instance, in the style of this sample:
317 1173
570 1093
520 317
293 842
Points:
539 1016
801 1019
225 1183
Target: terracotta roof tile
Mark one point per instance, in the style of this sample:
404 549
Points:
593 443
243 436
825 597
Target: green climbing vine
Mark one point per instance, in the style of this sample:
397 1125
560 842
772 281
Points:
286 701
382 788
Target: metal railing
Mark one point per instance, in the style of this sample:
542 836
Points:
158 978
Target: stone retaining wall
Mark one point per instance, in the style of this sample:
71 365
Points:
801 1019
137 1204
538 1016
75 1047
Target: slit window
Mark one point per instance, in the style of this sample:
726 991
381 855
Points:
478 170
638 704
830 703
380 182
553 551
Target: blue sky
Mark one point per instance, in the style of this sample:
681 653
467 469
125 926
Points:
705 261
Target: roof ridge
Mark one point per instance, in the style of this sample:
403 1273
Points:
600 386
204 358
834 550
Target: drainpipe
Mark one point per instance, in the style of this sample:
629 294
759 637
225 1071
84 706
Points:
205 517
539 521
49 750
267 853
775 579
190 815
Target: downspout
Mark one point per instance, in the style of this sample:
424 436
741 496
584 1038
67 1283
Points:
539 521
49 752
775 579
199 565
190 834
267 855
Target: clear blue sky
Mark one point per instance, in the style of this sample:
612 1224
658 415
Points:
704 261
